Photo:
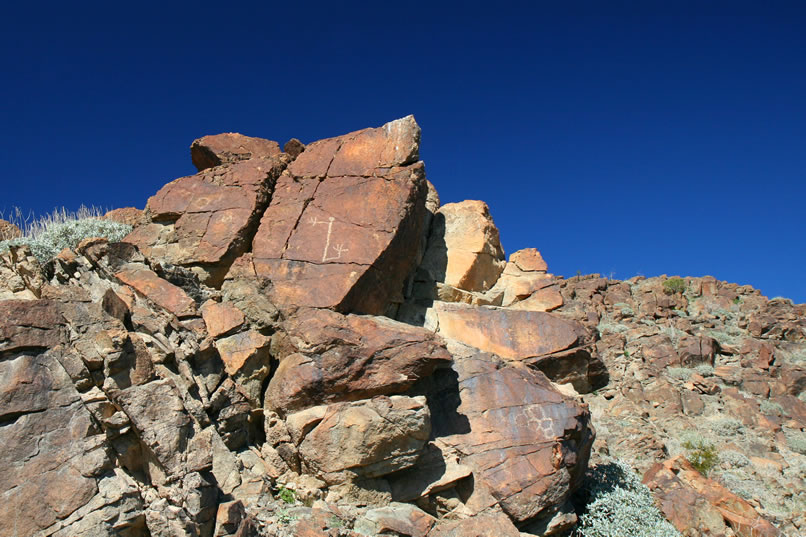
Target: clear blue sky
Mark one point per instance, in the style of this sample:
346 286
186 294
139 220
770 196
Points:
647 137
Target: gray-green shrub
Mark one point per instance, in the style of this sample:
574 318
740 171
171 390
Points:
63 229
620 505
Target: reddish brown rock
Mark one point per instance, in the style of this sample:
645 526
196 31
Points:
206 220
691 501
27 325
246 359
52 450
214 150
343 226
396 519
9 230
130 216
526 442
159 291
221 318
464 249
326 357
528 260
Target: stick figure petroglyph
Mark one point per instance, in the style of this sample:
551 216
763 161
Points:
339 248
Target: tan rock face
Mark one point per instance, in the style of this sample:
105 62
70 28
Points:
20 274
205 221
343 225
326 357
527 443
368 438
230 147
692 501
464 249
514 335
529 260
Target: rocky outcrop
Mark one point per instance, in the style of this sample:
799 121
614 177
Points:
239 364
699 366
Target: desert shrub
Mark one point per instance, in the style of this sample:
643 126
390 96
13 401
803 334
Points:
796 441
700 452
287 495
63 229
674 285
734 459
727 427
705 370
620 505
679 373
770 408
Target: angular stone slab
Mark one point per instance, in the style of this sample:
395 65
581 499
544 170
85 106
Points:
367 438
344 223
327 357
511 334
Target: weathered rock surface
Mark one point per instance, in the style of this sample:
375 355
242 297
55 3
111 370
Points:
206 220
527 443
343 224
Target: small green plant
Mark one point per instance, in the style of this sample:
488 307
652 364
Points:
285 518
674 285
701 454
287 495
737 300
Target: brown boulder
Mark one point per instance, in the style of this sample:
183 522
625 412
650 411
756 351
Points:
367 438
691 501
343 225
464 249
206 220
529 260
327 357
527 443
218 149
130 216
21 275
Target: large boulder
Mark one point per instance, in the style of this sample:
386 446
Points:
527 443
327 357
366 439
343 227
464 249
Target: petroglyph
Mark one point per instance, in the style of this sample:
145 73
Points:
339 248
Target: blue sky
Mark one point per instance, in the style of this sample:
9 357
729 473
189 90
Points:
637 138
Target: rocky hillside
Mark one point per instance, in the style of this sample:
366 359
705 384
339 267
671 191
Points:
304 342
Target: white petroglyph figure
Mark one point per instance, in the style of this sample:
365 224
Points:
339 248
